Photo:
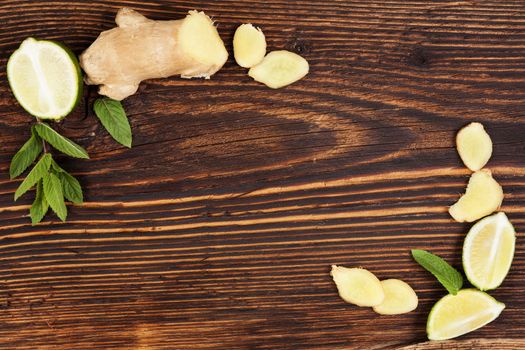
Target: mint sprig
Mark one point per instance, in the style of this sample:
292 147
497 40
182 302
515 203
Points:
53 184
113 117
448 276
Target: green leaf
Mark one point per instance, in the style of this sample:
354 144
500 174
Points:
40 205
54 195
39 170
448 276
114 119
60 142
71 187
56 167
25 156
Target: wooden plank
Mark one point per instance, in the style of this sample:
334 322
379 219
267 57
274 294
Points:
502 344
217 229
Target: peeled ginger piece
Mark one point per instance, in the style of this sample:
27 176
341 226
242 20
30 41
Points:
482 197
400 298
279 68
249 45
474 146
357 286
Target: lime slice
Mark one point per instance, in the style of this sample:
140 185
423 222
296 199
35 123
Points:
455 315
488 251
45 78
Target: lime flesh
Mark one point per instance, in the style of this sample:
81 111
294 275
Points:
455 315
45 78
488 251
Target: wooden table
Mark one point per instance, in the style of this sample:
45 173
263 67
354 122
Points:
218 228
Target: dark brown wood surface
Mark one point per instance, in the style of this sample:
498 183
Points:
472 344
218 228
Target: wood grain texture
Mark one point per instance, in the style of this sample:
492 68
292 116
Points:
500 344
217 229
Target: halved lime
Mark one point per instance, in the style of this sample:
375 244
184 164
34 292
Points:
455 315
45 78
488 251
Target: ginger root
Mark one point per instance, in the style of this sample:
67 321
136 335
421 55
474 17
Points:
357 286
400 298
141 48
249 45
482 197
474 146
279 68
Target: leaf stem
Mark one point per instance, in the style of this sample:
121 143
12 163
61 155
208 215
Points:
44 143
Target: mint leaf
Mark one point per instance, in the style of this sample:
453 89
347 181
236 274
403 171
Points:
56 167
114 119
25 156
54 195
448 276
60 142
71 187
39 170
40 206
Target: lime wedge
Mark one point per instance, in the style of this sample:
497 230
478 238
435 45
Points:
45 78
455 315
488 251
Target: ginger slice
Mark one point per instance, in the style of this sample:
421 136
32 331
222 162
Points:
400 298
482 197
279 68
474 146
140 48
357 286
249 45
